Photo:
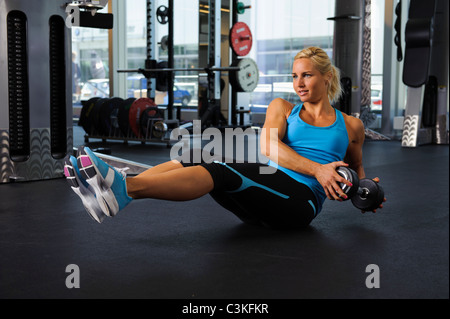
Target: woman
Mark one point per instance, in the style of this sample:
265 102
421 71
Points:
312 140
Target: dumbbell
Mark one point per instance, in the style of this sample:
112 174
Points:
365 194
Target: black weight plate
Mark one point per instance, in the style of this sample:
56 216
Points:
374 197
352 177
162 78
106 111
162 14
149 113
95 118
123 119
114 117
86 110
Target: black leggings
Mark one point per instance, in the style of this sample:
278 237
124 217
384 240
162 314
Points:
274 200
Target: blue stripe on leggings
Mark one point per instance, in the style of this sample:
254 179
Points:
314 207
246 183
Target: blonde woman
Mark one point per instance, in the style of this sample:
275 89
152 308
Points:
312 140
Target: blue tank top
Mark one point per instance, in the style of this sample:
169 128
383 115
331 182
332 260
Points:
319 144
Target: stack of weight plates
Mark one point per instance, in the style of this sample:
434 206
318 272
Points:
118 118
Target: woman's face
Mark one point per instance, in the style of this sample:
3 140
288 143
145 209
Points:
309 84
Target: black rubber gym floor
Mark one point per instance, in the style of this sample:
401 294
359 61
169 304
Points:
197 250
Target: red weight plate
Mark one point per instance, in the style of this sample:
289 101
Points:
136 110
241 39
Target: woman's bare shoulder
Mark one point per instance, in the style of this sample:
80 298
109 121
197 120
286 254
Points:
355 126
280 106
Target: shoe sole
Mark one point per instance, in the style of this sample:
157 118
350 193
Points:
87 197
103 192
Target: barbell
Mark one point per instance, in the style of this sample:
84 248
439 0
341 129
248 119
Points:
244 73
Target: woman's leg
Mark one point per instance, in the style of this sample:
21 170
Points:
171 181
162 168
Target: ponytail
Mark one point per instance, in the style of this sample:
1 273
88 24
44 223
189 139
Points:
334 88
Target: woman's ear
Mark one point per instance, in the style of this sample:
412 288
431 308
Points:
328 78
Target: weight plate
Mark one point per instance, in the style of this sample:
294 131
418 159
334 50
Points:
136 110
162 78
246 79
86 110
94 118
352 177
162 14
374 195
123 117
241 39
148 118
165 43
108 116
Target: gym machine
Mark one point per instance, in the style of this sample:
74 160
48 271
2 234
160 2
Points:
352 55
425 73
35 90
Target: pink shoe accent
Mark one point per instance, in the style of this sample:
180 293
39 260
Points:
85 161
66 172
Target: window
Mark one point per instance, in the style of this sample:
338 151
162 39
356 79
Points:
90 65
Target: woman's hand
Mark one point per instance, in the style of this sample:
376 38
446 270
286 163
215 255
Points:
376 180
328 177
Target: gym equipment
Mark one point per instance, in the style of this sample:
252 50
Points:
164 43
85 115
136 110
95 117
162 78
352 55
123 116
365 194
162 14
108 115
245 73
148 118
128 120
35 81
241 7
246 79
398 27
345 102
241 39
348 47
425 73
430 103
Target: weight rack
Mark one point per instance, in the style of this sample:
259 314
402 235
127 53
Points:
109 119
115 134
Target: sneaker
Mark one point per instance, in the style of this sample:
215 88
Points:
108 182
82 189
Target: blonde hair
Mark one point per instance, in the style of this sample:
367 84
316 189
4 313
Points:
323 63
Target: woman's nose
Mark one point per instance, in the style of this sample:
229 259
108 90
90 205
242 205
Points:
299 82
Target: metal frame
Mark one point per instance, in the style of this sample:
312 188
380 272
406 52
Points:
40 163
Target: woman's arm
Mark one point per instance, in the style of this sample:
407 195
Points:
354 151
356 133
272 147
